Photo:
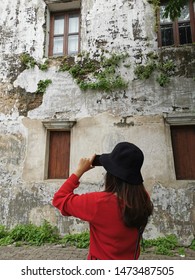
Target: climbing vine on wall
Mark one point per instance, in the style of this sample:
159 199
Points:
42 85
103 72
163 67
156 6
100 73
29 62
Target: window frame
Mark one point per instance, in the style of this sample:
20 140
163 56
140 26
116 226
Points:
175 26
66 34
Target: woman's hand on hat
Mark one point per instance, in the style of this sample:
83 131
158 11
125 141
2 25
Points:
84 165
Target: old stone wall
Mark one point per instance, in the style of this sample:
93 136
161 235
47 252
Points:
136 114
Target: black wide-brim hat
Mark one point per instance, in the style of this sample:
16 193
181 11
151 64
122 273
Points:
124 162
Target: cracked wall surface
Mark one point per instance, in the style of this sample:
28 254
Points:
103 119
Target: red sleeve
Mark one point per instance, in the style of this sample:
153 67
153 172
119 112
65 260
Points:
70 204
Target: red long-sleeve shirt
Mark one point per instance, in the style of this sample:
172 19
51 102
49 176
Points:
110 239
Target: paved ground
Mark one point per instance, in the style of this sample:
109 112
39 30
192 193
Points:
57 252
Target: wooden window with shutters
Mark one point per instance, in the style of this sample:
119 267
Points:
59 154
183 144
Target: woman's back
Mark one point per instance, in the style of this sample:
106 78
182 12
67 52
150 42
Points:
115 215
109 237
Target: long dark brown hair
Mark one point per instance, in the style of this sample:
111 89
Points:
134 201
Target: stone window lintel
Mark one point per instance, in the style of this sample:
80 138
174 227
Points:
59 124
180 119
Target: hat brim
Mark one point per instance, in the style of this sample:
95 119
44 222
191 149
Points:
133 177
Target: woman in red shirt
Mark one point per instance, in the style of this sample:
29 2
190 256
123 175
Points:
118 215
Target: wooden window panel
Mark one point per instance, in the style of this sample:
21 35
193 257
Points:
167 38
184 33
59 154
72 33
183 143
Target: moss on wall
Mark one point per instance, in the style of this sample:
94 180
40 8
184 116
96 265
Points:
183 57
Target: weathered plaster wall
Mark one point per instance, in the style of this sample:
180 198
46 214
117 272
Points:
21 31
102 119
175 211
121 26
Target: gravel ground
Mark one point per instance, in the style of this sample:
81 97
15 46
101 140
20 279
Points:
58 252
